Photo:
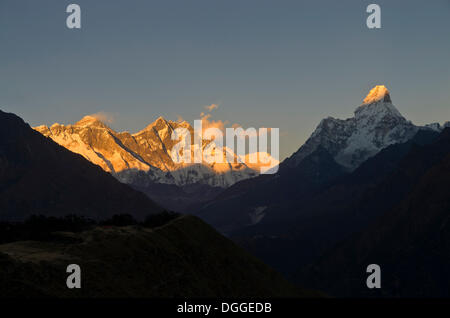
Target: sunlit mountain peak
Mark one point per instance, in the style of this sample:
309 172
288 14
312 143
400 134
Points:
376 94
88 119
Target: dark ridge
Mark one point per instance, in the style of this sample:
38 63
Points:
37 176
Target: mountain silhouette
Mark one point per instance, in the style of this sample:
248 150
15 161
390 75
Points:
409 241
37 176
314 223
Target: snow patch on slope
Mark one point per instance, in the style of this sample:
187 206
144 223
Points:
257 215
376 124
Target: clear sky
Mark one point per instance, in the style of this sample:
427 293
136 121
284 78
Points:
266 63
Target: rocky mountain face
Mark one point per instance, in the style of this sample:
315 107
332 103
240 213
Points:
144 161
143 157
375 125
38 176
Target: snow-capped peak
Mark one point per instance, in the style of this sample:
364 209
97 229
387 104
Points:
434 126
87 119
159 123
377 106
90 121
377 94
437 126
376 125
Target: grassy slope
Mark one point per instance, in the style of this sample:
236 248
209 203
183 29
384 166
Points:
184 258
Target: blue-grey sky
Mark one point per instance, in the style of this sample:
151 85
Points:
267 63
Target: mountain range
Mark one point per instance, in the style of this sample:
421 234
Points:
53 207
144 161
367 189
335 148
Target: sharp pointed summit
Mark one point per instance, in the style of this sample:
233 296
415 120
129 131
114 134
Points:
377 106
87 119
91 121
160 121
376 125
377 94
159 124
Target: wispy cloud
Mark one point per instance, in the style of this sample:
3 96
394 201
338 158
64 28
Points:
104 117
211 107
207 122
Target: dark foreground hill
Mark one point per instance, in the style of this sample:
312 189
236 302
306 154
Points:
183 258
37 176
